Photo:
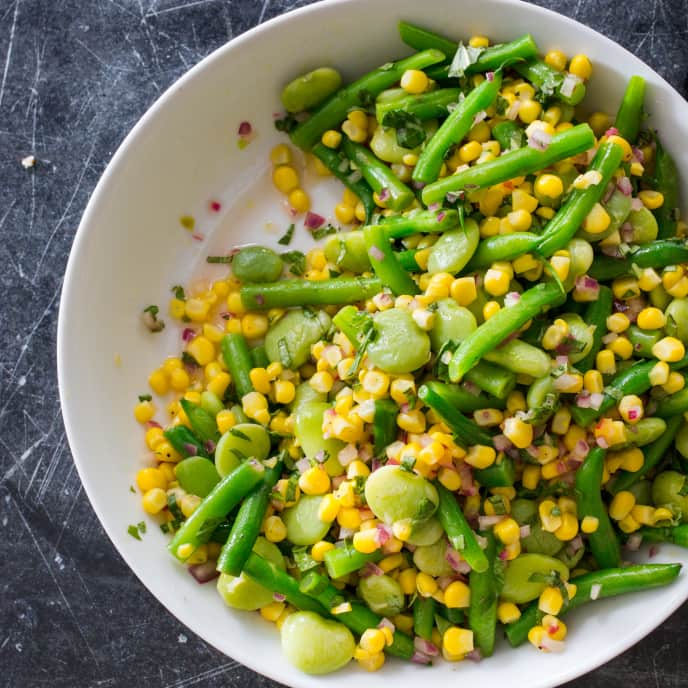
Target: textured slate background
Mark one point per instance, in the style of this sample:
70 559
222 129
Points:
75 75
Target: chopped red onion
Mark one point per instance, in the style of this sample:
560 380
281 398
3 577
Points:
383 534
302 465
524 531
205 572
612 131
456 561
564 381
441 215
370 569
532 450
471 388
501 442
375 465
611 251
602 443
245 129
576 544
479 117
337 481
153 424
623 184
634 541
562 360
539 139
638 155
260 299
188 334
627 232
569 84
417 185
595 591
467 486
586 285
347 455
420 658
425 647
511 299
453 196
636 204
485 522
653 551
433 207
386 623
489 76
209 446
474 655
215 206
278 597
190 449
583 400
384 194
608 192
313 220
375 253
512 112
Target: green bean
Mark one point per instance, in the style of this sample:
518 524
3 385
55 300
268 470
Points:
676 535
630 114
502 473
596 314
185 442
385 425
424 617
395 194
635 380
424 106
563 226
604 544
643 340
334 110
215 507
673 405
453 129
407 260
237 358
482 613
454 248
202 422
658 254
493 379
248 523
509 135
666 181
500 326
502 247
211 403
420 222
339 165
419 38
311 89
607 583
269 576
301 292
522 161
520 358
550 81
467 433
385 263
460 534
341 561
652 455
467 402
257 264
359 619
259 357
645 431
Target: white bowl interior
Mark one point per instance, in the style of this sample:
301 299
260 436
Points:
131 248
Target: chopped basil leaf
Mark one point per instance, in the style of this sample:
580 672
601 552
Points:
324 231
134 532
145 397
179 292
241 435
409 129
189 360
284 353
501 106
292 485
304 562
285 240
366 97
465 56
219 259
296 262
287 123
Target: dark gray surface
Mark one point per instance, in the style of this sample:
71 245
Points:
75 75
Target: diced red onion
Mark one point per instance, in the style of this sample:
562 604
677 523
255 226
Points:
456 561
611 251
653 551
564 381
153 424
337 481
245 129
320 456
608 192
586 285
485 522
512 112
205 572
511 299
209 446
441 215
602 443
638 155
524 531
539 139
479 117
313 220
190 449
278 597
595 591
347 455
383 533
375 465
501 442
562 360
612 131
569 84
453 196
474 655
623 184
467 486
489 76
576 544
425 647
636 204
433 207
370 569
420 658
384 194
188 334
417 185
375 253
532 450
634 541
302 465
627 232
386 623
260 299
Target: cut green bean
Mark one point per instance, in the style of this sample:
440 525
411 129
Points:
501 325
674 405
453 129
185 442
390 189
460 534
515 163
561 85
385 425
467 402
301 292
407 260
598 585
247 524
340 166
202 422
424 617
494 379
334 110
259 357
604 544
343 560
630 114
466 432
420 222
482 613
237 358
502 473
666 182
214 508
419 38
385 263
676 535
652 455
596 314
502 247
424 106
658 254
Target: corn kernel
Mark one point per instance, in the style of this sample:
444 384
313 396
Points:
621 505
411 421
426 585
365 541
669 349
651 199
550 521
551 601
274 529
507 531
457 642
285 178
273 611
463 290
331 138
597 220
328 509
622 347
556 59
529 111
321 382
569 527
154 500
280 154
618 323
659 375
581 67
518 432
605 362
631 408
675 383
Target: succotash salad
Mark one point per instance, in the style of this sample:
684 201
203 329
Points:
456 418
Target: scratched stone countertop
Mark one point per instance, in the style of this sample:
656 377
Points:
75 75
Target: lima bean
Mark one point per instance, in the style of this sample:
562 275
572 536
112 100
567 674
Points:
645 431
257 264
290 339
580 338
311 89
426 533
518 588
665 492
644 225
452 251
384 143
382 594
681 440
452 322
432 559
242 441
400 345
197 475
308 431
303 525
677 319
347 250
521 358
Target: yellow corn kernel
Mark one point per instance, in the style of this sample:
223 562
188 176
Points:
621 505
651 199
284 391
612 431
548 186
225 420
358 118
457 595
659 375
154 436
280 154
189 503
373 640
166 452
328 509
581 67
521 200
651 318
622 347
643 514
273 611
605 362
344 213
154 500
196 309
631 408
320 549
525 263
321 382
489 226
597 220
555 334
370 662
662 514
671 276
480 132
299 200
490 199
490 308
159 382
260 380
561 421
628 524
479 42
177 308
620 141
550 522
274 529
569 527
556 59
520 220
488 418
592 381
599 122
470 151
590 524
669 349
411 421
414 81
675 383
551 601
531 476
496 282
426 585
649 279
529 111
407 581
618 323
365 541
354 132
561 265
331 138
198 556
518 432
507 531
554 628
144 411
314 481
457 642
508 612
285 178
463 290
480 456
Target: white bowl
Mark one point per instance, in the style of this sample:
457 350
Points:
130 249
